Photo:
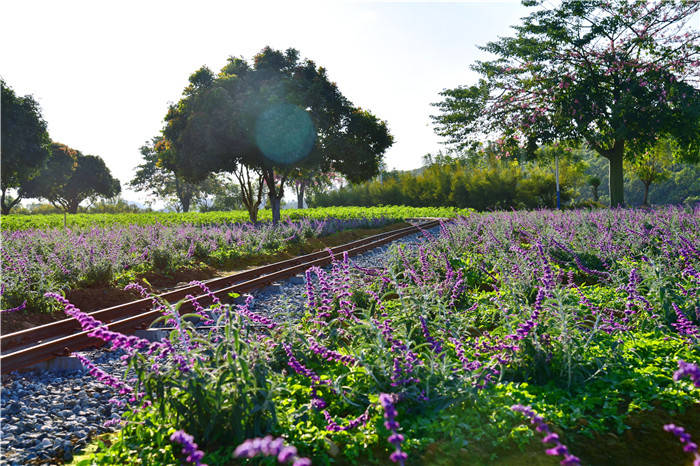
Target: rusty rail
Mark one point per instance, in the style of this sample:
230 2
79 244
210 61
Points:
28 347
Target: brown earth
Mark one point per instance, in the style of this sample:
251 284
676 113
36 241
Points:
92 299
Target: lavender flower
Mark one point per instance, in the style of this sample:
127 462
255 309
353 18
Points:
244 310
687 369
684 437
330 355
559 448
387 402
189 448
270 446
684 326
104 377
434 344
15 309
333 426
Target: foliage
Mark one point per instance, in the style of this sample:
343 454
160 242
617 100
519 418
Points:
653 165
612 74
582 315
42 222
165 184
680 186
70 177
273 116
25 143
115 205
489 185
37 261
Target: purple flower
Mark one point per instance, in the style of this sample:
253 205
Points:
684 437
687 369
189 448
244 310
684 326
15 309
434 344
104 377
333 426
559 449
270 446
387 402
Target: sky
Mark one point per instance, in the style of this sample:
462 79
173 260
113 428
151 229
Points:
104 73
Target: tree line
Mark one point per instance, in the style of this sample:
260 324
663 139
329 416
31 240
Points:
487 181
36 167
618 78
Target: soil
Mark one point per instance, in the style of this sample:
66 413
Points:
92 299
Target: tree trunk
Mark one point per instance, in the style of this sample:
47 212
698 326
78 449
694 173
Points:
300 195
5 208
251 193
275 193
645 202
616 175
595 193
185 200
275 205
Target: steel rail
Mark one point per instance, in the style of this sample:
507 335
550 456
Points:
65 336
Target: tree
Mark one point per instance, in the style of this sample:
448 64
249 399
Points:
25 143
652 166
594 183
313 179
273 117
613 74
70 177
251 188
164 183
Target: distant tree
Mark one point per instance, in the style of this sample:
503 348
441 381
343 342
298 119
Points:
227 195
25 143
314 179
594 183
272 117
652 165
614 74
70 177
164 183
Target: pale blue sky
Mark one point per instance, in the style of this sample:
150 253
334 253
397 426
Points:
104 73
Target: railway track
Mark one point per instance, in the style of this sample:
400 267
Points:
23 349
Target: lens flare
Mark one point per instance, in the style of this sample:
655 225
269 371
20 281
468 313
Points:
285 133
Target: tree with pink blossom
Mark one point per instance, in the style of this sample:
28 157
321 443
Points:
611 74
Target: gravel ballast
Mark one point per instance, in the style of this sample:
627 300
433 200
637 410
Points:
47 416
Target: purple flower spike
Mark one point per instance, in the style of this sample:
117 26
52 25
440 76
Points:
104 377
687 369
387 402
689 446
270 446
559 448
189 448
15 309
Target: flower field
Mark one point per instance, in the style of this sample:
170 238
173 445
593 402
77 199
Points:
37 261
543 337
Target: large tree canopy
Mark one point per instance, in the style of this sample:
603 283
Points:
70 177
25 143
612 74
275 116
